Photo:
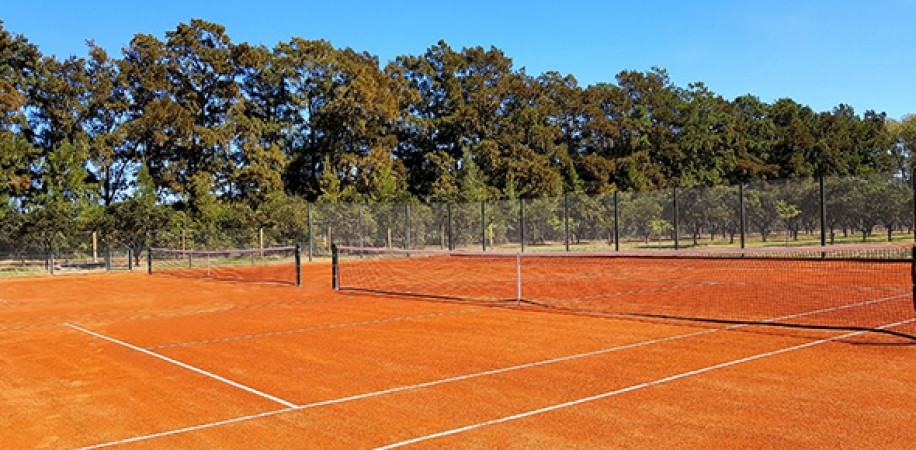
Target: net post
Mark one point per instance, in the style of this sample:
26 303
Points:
298 264
913 186
616 221
913 274
483 224
448 225
676 228
518 279
566 218
149 260
308 210
335 268
521 223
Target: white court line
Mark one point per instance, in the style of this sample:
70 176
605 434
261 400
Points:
322 328
410 387
631 388
466 377
186 366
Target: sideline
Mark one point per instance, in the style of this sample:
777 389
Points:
631 388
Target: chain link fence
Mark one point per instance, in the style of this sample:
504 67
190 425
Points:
808 211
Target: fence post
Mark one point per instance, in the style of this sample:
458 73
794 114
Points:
616 222
95 247
108 260
130 259
521 223
566 218
448 226
359 223
407 225
51 263
822 198
149 260
741 214
311 231
676 228
483 224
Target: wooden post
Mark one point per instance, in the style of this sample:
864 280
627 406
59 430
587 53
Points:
95 247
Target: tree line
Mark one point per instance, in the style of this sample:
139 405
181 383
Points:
192 129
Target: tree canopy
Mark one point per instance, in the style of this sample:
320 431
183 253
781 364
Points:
209 126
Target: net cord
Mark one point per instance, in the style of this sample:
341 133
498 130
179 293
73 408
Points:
244 251
787 252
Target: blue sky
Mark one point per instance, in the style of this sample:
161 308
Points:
818 52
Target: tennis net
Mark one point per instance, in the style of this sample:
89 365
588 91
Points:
855 287
272 264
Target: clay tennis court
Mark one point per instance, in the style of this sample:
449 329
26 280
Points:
156 361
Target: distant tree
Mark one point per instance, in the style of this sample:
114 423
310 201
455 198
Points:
786 212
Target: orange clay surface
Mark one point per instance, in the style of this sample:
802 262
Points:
257 365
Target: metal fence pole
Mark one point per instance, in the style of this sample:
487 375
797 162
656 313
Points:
521 223
448 226
566 218
311 231
359 223
741 214
676 228
616 222
822 198
483 224
407 231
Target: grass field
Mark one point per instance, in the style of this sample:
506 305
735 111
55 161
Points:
138 361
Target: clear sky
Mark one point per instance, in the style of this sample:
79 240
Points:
818 52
